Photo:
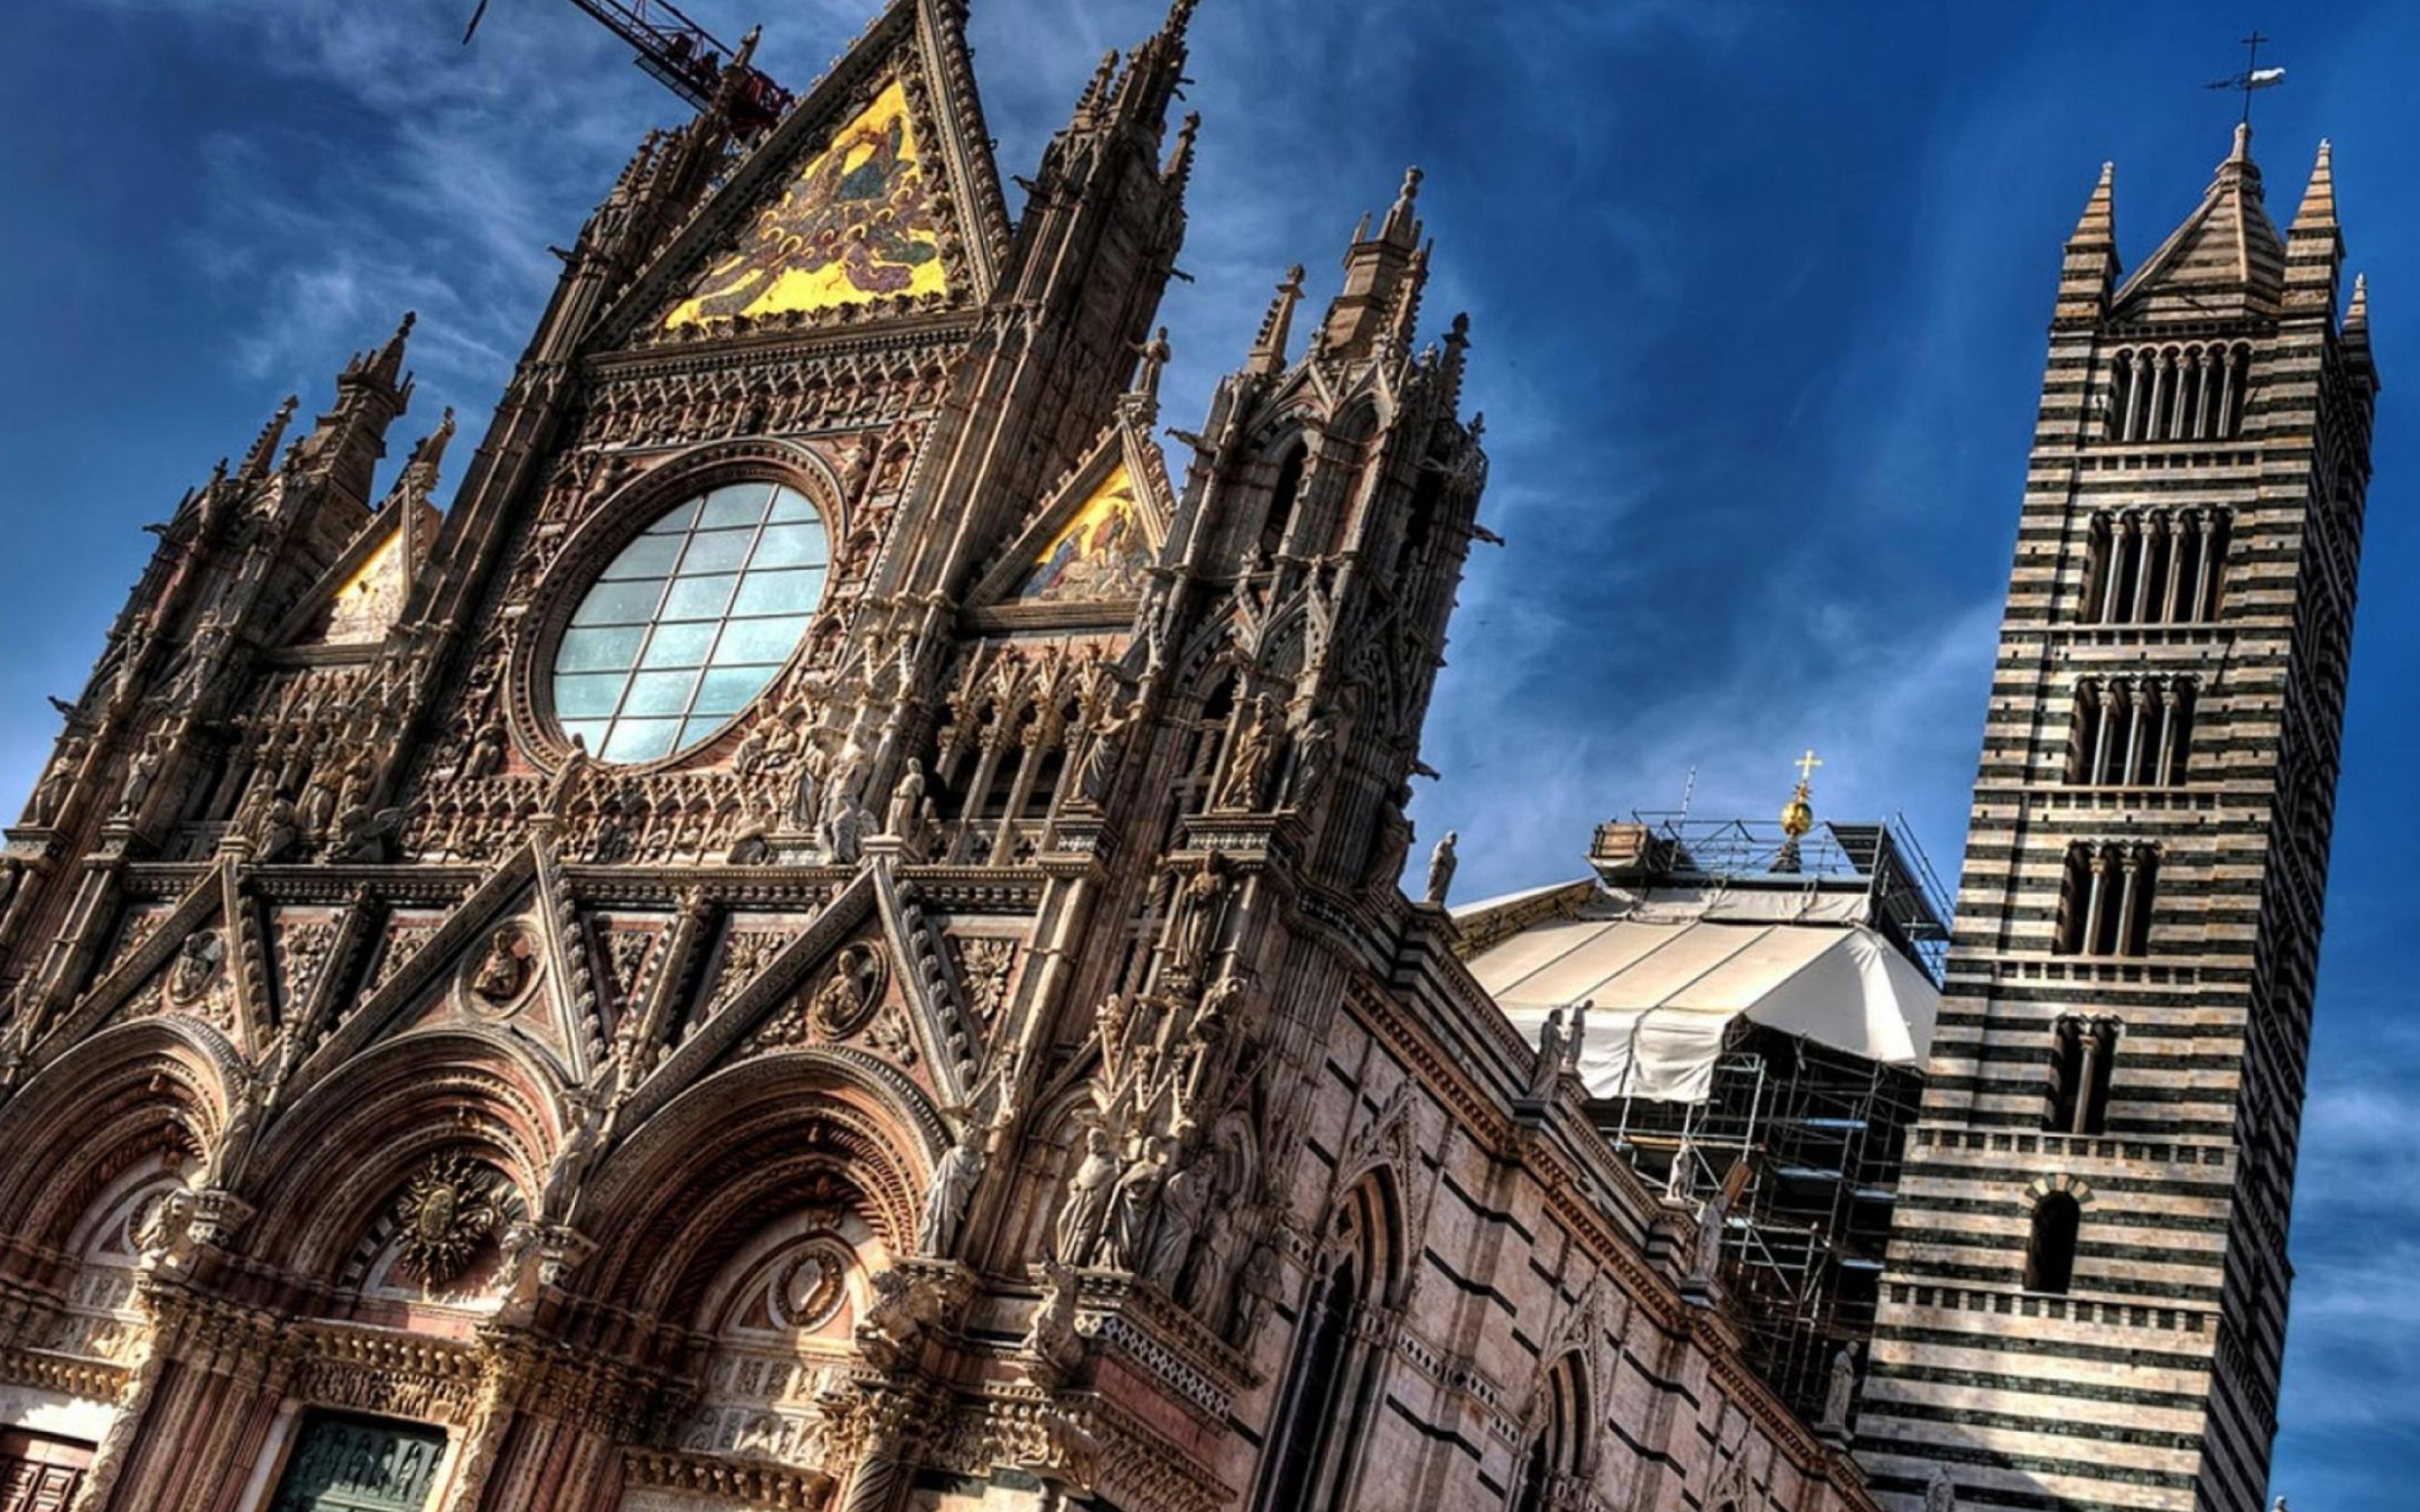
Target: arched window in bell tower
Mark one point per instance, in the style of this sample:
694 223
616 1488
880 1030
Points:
2051 1253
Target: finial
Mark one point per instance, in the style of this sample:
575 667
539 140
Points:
256 461
1096 94
1400 226
2242 151
1180 168
1277 326
1798 815
2318 209
2356 314
1180 19
2098 225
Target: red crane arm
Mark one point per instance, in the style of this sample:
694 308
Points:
682 55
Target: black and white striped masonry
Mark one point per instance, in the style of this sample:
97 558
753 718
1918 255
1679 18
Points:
2088 1313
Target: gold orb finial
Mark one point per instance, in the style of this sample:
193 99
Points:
1798 815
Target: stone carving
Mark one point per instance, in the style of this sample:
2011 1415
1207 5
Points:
851 992
1254 753
1441 863
1839 1390
502 972
953 1187
1940 1492
197 967
1050 1338
447 1213
983 969
1085 1209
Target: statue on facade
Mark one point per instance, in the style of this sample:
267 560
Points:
1940 1492
1314 755
954 1178
907 802
1183 1196
1255 752
1837 1392
1551 1053
1088 1203
1132 1202
1442 863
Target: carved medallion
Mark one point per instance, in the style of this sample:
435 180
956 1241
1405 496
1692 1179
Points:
447 1213
197 968
849 993
500 975
808 1291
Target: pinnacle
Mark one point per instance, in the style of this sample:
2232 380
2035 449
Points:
2318 212
1400 226
2097 227
2356 316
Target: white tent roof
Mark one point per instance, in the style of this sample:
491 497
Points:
1664 993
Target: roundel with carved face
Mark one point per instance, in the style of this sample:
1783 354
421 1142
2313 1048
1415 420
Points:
690 622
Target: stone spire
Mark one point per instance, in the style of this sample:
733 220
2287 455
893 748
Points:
2089 270
2226 260
2315 243
1381 273
1277 326
258 460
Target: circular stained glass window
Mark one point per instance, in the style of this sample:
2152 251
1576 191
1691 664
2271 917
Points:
691 622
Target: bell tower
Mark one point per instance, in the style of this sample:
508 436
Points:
2085 1296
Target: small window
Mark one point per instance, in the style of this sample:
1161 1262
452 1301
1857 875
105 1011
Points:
1281 501
2050 1257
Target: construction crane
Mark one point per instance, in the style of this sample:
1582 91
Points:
684 57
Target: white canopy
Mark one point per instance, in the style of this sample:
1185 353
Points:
1664 993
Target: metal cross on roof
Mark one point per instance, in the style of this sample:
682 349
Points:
1807 766
2254 76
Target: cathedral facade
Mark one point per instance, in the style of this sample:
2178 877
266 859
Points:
827 936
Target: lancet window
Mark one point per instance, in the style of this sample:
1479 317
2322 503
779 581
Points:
1554 1456
2107 906
2130 731
2184 392
1313 1439
2155 566
2082 1052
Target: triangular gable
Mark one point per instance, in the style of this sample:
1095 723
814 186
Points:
876 195
2226 260
361 596
1084 557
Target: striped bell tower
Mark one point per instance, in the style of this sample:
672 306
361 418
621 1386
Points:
2084 1304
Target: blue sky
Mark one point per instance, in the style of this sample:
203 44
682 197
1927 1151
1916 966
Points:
1759 294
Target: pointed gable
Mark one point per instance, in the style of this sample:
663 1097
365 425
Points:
861 221
876 195
2226 261
1085 555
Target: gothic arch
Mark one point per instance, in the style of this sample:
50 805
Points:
1323 1402
743 1148
148 1087
1556 1447
345 1147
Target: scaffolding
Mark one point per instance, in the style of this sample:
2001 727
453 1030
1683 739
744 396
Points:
1878 861
1822 1131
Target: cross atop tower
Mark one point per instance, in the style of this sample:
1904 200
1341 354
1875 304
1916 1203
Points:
2254 76
1807 766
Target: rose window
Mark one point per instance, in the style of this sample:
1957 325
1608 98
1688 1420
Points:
691 622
